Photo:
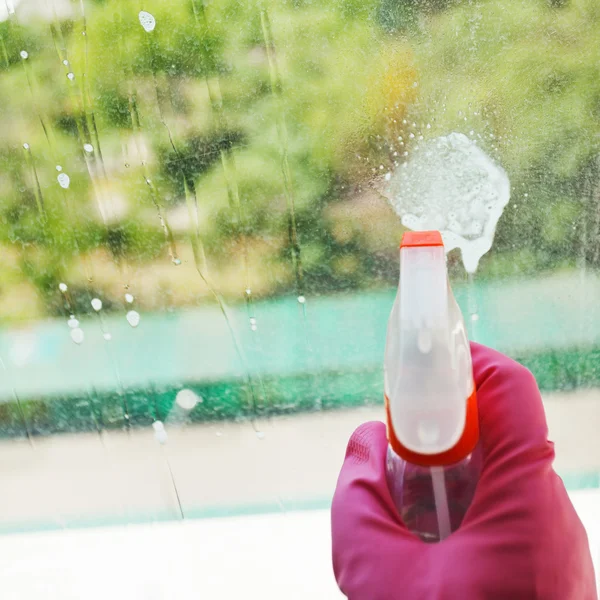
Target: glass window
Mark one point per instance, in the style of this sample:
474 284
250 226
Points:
200 208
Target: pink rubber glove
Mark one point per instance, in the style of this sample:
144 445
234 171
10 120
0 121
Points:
520 539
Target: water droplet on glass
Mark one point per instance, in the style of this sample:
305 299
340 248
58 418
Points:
71 75
24 54
63 287
128 298
187 399
63 180
65 62
88 148
77 335
107 336
133 318
73 323
248 291
96 304
301 299
388 175
26 146
260 435
147 21
176 261
218 433
474 317
160 434
58 168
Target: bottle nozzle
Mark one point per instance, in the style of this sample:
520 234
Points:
430 395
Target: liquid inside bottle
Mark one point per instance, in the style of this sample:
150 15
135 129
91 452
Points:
428 509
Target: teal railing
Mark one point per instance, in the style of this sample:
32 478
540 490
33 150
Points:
322 354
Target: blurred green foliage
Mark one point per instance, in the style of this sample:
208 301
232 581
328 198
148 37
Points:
259 128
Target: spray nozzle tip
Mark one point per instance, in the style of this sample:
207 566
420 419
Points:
415 239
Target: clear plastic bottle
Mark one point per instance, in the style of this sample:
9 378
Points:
433 462
414 487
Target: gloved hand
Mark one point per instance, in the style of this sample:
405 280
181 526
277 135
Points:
521 537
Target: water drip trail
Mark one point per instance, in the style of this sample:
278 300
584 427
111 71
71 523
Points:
87 130
161 437
19 404
282 136
233 195
39 198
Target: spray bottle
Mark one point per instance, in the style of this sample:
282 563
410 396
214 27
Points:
430 398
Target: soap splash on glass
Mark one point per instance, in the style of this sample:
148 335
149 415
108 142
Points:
449 184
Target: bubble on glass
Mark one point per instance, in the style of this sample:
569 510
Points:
446 175
58 168
63 287
128 298
70 75
248 292
26 146
64 180
187 399
147 20
176 261
88 148
133 318
260 435
301 299
24 54
73 323
107 336
96 304
65 62
77 335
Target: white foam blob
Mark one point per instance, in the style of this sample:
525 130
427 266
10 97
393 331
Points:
450 184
